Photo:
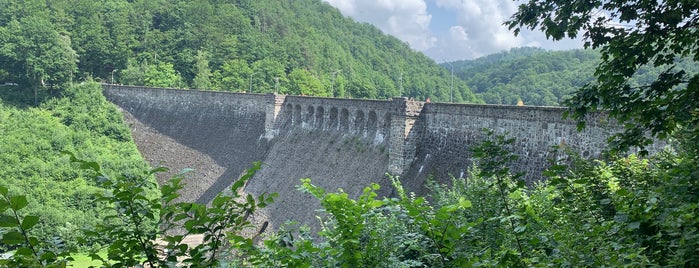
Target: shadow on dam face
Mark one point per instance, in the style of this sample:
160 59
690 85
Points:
217 136
220 135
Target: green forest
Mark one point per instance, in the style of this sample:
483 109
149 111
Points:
80 120
303 47
73 185
540 77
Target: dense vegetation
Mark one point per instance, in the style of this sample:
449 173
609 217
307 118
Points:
540 77
79 120
616 211
631 35
303 47
623 211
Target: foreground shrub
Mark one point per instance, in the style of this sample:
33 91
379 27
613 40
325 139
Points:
625 211
135 220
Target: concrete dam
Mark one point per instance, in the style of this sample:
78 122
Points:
338 143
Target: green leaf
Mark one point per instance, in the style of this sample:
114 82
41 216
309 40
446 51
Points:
18 202
445 211
376 203
123 196
189 225
90 165
158 170
96 257
33 241
24 252
13 238
180 216
3 190
7 221
29 221
219 200
463 203
238 184
48 256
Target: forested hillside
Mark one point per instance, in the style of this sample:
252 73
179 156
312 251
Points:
617 211
301 47
539 77
80 121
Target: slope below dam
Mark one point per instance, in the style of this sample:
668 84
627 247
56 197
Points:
338 143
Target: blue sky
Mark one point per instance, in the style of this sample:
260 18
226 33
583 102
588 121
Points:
448 30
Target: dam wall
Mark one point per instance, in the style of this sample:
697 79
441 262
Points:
338 143
447 131
225 128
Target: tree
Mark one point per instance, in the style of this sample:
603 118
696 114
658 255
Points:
202 78
267 72
302 82
361 87
102 34
233 76
631 34
134 73
36 54
162 74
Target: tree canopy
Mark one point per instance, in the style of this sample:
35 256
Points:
239 45
630 35
541 77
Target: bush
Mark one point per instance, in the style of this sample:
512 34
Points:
134 220
80 120
623 211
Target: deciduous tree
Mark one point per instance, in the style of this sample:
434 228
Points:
202 78
162 74
234 75
36 54
631 34
302 82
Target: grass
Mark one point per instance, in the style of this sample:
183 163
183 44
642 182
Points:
83 260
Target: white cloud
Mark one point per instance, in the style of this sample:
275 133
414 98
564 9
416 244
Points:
482 21
458 33
477 29
407 20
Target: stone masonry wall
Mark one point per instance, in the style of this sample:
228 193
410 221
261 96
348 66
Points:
447 132
225 127
339 143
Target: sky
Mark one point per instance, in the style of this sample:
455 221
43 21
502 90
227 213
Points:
449 30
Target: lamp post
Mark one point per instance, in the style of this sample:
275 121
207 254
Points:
276 85
179 86
400 87
250 89
332 84
451 96
113 75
